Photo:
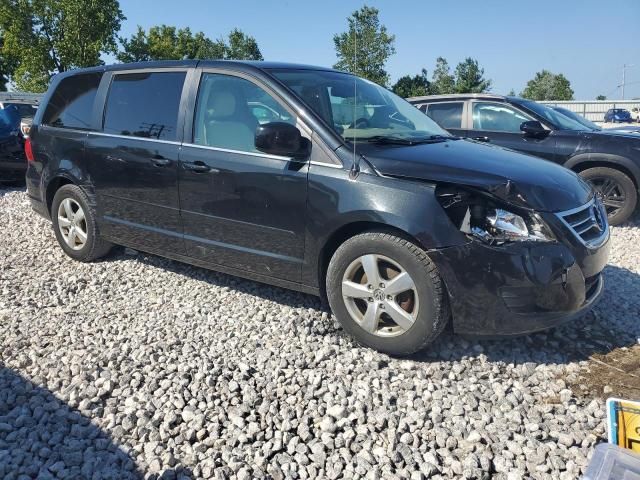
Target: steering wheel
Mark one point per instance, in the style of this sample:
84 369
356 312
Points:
360 123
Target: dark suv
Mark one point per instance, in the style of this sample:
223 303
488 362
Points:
14 108
318 181
609 161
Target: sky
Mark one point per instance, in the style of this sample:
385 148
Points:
588 41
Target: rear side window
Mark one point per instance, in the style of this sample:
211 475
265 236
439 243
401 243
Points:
447 115
144 105
71 104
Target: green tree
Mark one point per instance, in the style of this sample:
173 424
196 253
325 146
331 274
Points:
242 47
409 86
364 49
442 82
166 42
470 77
601 97
548 86
44 37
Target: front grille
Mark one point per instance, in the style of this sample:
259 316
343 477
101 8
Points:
588 222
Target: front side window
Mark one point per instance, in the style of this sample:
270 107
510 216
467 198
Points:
447 115
497 117
71 105
144 104
229 110
559 121
357 109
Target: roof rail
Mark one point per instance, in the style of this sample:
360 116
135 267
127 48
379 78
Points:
456 96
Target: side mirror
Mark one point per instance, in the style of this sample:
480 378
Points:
533 128
280 138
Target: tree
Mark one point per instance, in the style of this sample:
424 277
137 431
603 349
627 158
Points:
548 86
601 97
44 37
442 82
470 77
512 93
409 86
365 48
242 47
165 42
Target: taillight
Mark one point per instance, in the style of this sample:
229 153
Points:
28 150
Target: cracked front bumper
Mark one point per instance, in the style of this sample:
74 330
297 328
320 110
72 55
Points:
519 288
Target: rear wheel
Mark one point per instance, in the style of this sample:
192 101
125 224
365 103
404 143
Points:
619 193
74 223
386 293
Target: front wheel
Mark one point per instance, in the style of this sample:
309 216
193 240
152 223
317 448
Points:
619 193
386 292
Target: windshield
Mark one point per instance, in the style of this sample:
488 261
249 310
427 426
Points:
577 117
558 120
359 110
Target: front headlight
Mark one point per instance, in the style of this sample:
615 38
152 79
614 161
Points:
480 216
496 226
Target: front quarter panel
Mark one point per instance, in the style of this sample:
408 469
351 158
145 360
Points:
335 202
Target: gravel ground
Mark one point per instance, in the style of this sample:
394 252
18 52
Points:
139 367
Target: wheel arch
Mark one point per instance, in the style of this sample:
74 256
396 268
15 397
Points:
344 233
580 163
53 186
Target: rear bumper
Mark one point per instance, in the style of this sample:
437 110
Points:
519 288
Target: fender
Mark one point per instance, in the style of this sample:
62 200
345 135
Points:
595 157
351 206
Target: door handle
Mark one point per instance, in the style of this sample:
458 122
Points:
199 167
481 139
160 161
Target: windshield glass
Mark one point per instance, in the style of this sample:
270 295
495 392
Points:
358 109
577 117
558 120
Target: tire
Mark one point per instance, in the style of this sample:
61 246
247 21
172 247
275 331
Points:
93 246
426 302
625 186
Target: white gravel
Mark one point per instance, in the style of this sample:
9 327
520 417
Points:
139 367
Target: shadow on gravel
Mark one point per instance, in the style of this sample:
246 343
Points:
280 295
42 437
613 323
11 187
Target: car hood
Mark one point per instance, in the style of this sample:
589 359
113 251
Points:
513 177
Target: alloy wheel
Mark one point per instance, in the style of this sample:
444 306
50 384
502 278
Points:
380 295
611 192
72 223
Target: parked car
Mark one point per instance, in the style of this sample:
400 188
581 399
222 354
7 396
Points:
578 118
402 226
636 114
14 107
608 160
617 115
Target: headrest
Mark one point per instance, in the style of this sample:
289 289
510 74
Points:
222 104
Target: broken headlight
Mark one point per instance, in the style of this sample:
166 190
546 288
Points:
497 225
490 220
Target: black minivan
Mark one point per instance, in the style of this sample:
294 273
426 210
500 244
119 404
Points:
318 181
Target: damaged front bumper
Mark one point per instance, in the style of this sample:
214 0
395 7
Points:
520 287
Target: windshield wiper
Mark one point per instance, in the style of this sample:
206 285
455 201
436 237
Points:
387 140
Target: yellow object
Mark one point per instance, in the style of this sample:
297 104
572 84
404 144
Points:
624 423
